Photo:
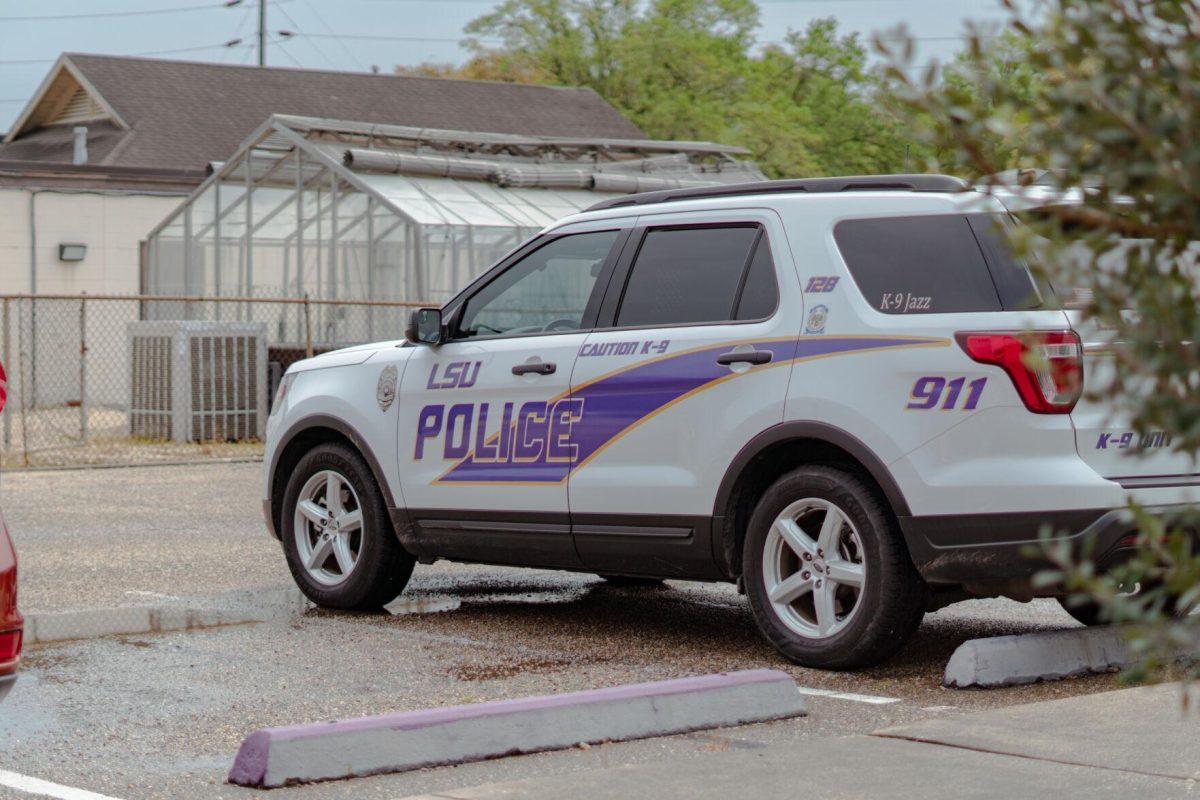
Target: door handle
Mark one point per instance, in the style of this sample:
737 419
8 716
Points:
745 357
539 367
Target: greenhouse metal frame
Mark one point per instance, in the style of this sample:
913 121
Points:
337 210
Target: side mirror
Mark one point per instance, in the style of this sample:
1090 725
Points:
425 327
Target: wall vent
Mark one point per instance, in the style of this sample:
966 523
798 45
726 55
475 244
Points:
196 381
80 108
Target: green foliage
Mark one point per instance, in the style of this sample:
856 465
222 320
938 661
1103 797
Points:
690 69
1113 108
1104 94
992 72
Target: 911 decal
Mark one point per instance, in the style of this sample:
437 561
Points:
927 393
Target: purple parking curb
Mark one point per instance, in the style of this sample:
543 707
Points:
412 720
636 710
250 765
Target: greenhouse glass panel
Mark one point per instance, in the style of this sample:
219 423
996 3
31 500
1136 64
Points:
353 215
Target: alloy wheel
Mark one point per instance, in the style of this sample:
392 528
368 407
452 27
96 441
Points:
813 568
328 528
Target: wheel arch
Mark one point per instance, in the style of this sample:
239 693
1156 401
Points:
780 449
306 434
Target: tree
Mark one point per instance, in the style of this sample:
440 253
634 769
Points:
1106 100
999 69
815 108
686 69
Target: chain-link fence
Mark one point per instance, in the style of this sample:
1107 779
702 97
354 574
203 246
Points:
110 380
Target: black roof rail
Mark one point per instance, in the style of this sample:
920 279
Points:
857 183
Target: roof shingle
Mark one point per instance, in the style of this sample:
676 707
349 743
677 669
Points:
185 114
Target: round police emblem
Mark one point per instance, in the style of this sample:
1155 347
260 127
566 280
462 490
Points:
385 391
816 319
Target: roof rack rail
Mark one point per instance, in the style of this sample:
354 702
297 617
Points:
857 183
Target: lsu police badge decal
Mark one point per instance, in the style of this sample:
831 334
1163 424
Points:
816 319
385 391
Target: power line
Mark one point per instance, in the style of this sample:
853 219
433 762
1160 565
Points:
325 25
279 46
232 44
764 2
382 38
101 14
464 39
320 51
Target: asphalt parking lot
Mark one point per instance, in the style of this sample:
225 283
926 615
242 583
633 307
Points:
142 716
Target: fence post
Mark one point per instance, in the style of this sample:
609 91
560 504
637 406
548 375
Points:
83 392
308 351
6 357
24 357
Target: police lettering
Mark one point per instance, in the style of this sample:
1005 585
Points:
538 431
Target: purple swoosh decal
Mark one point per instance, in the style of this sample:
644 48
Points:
615 402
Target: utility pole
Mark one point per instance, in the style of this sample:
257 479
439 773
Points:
262 33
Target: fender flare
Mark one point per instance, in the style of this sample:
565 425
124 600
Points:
340 426
723 534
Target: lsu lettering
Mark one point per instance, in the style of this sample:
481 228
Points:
456 375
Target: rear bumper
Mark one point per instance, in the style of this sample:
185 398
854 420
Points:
6 683
987 548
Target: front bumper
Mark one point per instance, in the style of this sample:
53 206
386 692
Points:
992 548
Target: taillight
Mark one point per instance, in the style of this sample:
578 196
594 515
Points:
10 645
1046 367
3 387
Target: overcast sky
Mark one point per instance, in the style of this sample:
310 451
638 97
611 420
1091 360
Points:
403 31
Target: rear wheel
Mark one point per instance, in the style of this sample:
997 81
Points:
827 573
337 536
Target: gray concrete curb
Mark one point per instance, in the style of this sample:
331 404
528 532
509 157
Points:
1031 657
91 623
456 734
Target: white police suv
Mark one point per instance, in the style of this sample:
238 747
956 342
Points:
845 394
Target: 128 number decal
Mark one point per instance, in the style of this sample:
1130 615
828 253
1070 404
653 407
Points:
927 393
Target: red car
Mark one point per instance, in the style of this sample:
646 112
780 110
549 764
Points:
10 619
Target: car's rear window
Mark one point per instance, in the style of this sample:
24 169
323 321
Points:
935 264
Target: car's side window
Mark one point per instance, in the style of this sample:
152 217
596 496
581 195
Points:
711 273
545 292
760 293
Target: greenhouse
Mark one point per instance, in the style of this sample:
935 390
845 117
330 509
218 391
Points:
344 211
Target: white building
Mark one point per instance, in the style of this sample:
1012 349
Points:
108 146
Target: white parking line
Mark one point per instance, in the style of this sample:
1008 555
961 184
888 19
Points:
857 698
23 783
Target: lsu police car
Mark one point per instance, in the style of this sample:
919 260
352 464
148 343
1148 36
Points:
846 394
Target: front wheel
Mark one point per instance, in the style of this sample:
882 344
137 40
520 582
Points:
828 576
337 536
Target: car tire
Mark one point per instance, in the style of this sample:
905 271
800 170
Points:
632 582
804 599
337 563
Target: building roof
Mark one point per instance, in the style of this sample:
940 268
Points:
173 115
